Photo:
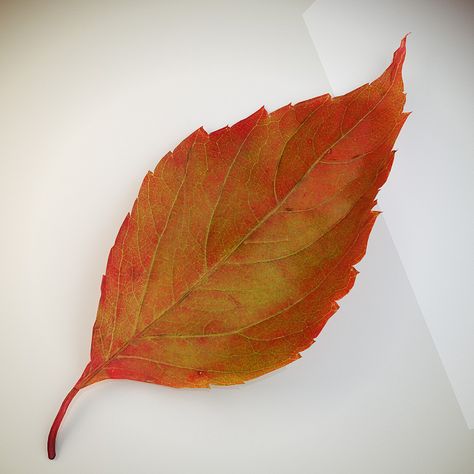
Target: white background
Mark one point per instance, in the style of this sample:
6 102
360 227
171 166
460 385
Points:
93 94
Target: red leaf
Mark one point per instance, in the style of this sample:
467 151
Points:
241 241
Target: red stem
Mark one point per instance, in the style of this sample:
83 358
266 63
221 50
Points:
57 422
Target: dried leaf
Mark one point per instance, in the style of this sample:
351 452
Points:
241 241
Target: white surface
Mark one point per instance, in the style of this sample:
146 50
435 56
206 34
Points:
92 97
428 201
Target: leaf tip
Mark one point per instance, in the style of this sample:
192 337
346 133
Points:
400 53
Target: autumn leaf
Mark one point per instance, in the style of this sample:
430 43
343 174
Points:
241 241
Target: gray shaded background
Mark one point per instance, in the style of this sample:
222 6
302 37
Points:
428 207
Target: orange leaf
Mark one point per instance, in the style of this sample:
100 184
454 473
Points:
241 241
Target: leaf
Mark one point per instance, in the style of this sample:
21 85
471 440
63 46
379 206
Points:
241 241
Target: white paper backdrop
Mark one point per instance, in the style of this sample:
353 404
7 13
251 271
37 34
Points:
93 94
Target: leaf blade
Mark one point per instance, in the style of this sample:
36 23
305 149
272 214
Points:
241 241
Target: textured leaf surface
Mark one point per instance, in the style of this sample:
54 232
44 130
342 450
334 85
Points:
241 241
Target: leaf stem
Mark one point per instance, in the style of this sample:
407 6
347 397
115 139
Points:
57 422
